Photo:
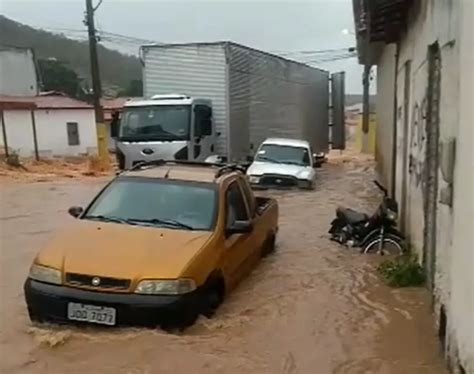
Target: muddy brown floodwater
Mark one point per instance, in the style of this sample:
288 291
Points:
312 307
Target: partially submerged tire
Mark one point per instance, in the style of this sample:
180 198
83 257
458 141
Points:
34 317
269 246
213 298
391 245
186 318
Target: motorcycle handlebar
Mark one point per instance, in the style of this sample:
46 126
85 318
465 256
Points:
382 188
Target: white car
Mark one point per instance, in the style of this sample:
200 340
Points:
283 163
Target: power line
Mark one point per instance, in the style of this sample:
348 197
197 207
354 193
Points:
101 33
332 58
128 41
324 61
98 5
128 38
318 51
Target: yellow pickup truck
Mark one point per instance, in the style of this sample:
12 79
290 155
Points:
162 243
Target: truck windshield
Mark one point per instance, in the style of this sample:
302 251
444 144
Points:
163 122
152 202
283 154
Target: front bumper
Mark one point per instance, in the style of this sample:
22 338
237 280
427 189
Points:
48 302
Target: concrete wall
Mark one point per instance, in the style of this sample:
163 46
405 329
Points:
17 72
461 306
430 22
19 132
433 22
51 132
384 109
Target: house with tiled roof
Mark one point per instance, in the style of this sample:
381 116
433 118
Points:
46 125
39 124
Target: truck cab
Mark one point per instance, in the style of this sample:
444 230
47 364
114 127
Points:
165 127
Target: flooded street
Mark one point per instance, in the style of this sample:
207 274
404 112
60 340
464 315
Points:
312 307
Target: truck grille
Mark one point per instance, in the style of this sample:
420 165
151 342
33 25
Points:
97 282
278 181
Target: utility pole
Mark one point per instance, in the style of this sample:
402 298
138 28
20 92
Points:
365 109
96 86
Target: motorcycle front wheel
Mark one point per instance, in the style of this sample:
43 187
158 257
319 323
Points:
391 245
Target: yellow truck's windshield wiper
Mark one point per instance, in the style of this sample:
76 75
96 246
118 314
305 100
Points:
107 219
138 221
158 221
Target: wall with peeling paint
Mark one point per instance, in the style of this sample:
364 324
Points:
461 307
431 22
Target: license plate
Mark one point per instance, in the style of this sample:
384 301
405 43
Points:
91 313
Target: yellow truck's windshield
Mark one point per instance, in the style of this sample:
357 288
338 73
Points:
164 203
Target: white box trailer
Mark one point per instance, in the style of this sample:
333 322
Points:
254 94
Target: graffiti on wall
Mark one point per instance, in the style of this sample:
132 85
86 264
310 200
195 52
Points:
418 142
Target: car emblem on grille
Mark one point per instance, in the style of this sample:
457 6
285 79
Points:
148 151
96 281
278 181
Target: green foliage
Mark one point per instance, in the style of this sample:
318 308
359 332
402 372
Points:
58 76
404 271
116 69
134 89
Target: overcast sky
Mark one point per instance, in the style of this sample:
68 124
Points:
289 25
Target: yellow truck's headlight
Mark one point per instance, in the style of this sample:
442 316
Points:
45 274
165 286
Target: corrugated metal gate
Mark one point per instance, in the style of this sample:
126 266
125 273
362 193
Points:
338 128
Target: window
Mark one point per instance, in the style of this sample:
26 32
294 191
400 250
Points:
236 209
72 133
283 154
158 122
202 121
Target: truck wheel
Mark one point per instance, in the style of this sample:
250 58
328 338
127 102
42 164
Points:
269 246
213 298
181 320
188 318
34 317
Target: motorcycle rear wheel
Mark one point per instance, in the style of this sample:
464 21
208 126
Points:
392 246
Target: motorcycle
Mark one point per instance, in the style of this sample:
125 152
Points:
373 234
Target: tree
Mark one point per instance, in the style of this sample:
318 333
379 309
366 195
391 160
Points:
134 89
58 76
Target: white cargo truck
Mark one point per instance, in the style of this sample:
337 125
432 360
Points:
224 99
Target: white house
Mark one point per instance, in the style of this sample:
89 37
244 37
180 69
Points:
424 53
47 125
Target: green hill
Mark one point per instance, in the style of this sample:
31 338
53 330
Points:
116 69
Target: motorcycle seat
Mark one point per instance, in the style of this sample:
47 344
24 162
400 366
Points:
351 216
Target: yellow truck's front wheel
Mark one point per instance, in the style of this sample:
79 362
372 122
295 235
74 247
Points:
213 297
